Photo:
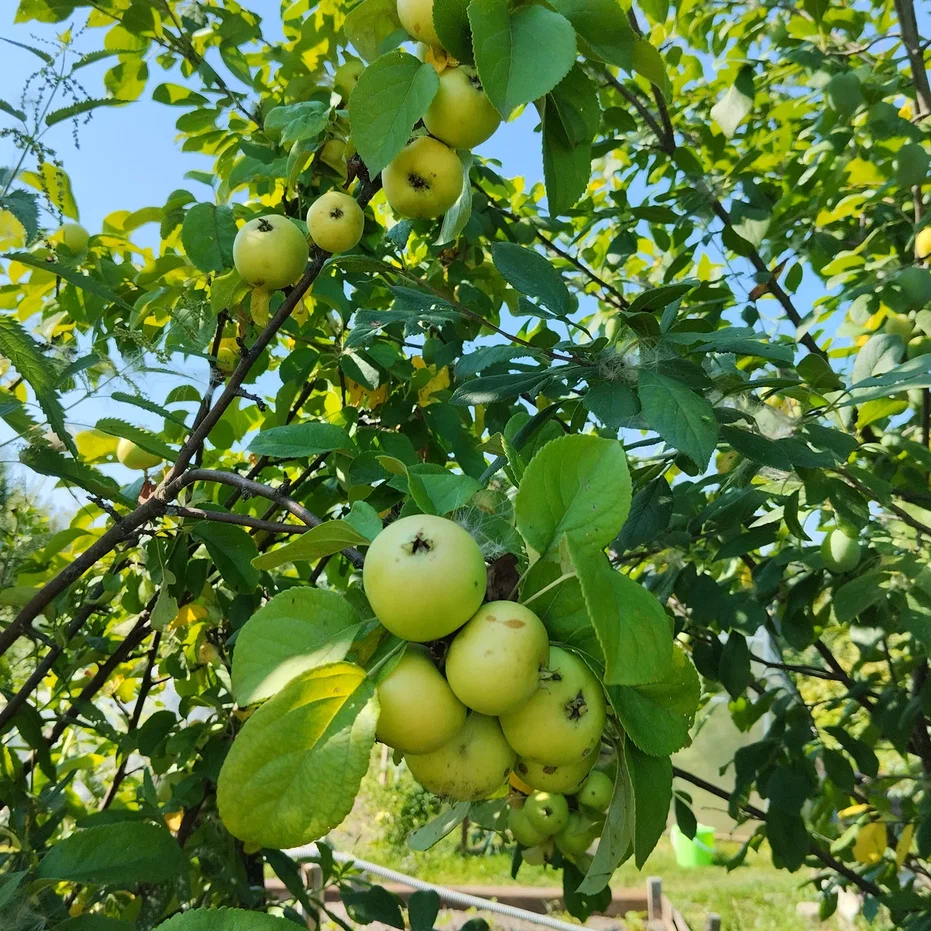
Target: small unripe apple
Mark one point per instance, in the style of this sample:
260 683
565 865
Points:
493 665
424 180
270 252
333 155
596 791
915 285
74 236
424 577
335 222
461 115
347 76
135 457
839 552
578 835
417 18
524 832
207 653
923 243
899 325
547 811
227 356
418 711
918 346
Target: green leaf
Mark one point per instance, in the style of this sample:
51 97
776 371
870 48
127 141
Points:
451 21
736 104
685 420
457 217
121 854
446 491
657 717
24 205
176 95
142 438
327 538
613 403
436 829
232 549
491 388
617 836
9 883
520 55
575 486
89 922
297 630
567 168
39 53
147 405
651 780
759 448
855 596
127 80
603 25
650 511
82 106
224 919
734 668
48 462
369 24
576 101
423 908
375 903
297 441
532 274
392 94
72 276
562 609
788 839
293 772
634 632
648 62
15 112
207 235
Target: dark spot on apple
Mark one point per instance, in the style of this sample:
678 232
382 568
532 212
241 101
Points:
549 770
576 707
522 768
417 182
475 81
514 623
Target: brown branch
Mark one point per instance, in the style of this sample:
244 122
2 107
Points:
905 11
921 741
842 675
902 514
243 520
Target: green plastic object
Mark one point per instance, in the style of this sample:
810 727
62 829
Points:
696 852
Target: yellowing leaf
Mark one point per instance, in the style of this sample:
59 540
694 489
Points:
853 811
12 232
55 182
439 382
187 614
904 845
871 843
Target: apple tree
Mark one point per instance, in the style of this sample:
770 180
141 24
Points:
666 414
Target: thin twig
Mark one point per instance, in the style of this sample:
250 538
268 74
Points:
243 520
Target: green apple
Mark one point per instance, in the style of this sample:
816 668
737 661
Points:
898 325
424 180
333 155
563 721
270 252
347 76
547 811
494 663
918 346
335 222
417 18
839 552
473 765
461 115
597 791
534 856
135 457
567 778
74 236
424 577
418 712
578 835
524 832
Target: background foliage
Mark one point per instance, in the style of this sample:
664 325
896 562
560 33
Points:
721 288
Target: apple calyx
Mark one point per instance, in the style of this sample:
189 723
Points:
577 707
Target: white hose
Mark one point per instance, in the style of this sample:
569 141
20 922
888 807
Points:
446 895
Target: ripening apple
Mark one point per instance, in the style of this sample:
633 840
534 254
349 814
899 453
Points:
418 711
567 778
547 811
424 180
839 552
347 76
473 765
333 155
417 18
227 356
74 236
494 663
596 791
578 835
135 457
424 577
524 832
270 252
335 222
563 721
898 325
207 653
923 243
461 115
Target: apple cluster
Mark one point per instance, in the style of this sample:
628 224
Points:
507 706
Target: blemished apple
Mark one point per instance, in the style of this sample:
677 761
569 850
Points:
424 576
493 665
417 18
418 712
461 115
563 721
74 236
347 76
335 222
270 252
567 778
135 457
424 180
473 765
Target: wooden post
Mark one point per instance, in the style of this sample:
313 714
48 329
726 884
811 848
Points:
713 922
313 883
655 904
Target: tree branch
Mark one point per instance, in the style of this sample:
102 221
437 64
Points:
905 11
243 520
